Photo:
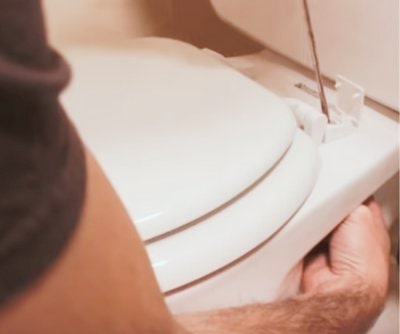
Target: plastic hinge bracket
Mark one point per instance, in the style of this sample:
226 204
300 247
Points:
345 114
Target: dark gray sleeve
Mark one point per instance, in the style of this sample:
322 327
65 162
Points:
42 164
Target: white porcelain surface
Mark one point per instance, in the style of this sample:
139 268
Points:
352 169
176 131
240 227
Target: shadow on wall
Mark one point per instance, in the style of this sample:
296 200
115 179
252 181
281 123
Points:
197 23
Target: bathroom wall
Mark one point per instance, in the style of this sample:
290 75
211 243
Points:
351 36
104 22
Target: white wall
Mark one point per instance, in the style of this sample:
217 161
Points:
103 21
107 21
356 38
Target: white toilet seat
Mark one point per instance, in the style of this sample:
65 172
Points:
222 164
178 132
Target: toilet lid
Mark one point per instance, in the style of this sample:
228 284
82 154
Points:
178 133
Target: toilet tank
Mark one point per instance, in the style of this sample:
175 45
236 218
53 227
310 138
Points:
358 39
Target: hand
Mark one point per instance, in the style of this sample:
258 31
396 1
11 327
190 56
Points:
344 287
357 256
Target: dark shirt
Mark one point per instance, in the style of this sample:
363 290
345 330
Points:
42 171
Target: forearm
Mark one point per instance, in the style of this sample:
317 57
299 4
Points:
339 312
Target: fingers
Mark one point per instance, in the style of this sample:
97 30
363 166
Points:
361 214
376 211
379 220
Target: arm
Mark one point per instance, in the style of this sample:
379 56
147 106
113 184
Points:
336 312
70 258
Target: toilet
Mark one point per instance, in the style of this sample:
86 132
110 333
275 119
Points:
227 186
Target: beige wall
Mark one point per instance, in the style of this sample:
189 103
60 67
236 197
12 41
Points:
358 39
103 21
92 22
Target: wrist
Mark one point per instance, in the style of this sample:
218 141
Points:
348 284
353 301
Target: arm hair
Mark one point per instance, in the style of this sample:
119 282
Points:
339 312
